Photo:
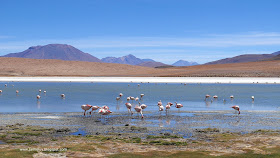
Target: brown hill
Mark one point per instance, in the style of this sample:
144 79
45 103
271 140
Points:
51 67
152 64
242 59
55 51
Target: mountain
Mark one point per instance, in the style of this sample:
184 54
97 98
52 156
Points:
55 51
184 63
242 59
146 60
276 53
129 59
277 57
152 64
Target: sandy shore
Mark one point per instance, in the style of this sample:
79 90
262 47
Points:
236 80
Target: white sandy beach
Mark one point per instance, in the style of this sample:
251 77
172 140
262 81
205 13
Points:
244 80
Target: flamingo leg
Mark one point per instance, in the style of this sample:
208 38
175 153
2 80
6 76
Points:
141 114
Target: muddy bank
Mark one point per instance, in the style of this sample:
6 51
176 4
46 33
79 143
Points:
207 133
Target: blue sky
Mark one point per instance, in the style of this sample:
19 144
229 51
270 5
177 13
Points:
163 30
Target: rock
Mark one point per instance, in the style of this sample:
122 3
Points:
64 130
126 124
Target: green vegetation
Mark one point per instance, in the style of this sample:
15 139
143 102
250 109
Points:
167 136
12 153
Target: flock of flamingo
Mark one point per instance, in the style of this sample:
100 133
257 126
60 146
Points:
104 110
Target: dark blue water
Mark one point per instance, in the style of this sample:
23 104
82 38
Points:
267 97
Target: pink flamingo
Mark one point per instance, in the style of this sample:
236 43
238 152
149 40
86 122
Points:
120 94
236 107
139 110
136 99
93 108
17 91
159 103
105 107
86 107
107 112
128 106
215 97
207 96
38 96
178 105
128 98
0 91
118 98
141 95
143 106
62 95
167 107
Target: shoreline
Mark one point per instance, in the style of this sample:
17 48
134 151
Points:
224 80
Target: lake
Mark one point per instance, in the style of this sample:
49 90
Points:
191 96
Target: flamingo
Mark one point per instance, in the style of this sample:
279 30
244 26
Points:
94 108
141 95
178 105
45 91
101 111
143 106
159 103
231 97
167 106
86 107
120 94
107 112
38 96
17 91
132 98
128 106
62 95
161 108
215 96
105 107
139 110
207 96
253 98
128 98
118 98
136 99
236 107
40 90
5 85
0 91
138 85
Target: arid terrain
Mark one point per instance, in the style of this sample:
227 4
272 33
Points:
50 67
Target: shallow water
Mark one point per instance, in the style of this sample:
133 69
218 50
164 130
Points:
190 95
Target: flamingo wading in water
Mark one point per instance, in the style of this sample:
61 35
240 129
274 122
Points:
236 107
138 109
86 107
128 106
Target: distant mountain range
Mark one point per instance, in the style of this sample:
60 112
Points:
184 63
247 58
68 52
